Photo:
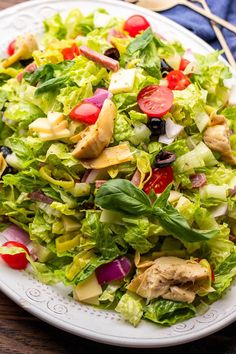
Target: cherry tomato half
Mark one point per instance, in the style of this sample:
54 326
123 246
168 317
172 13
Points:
155 100
161 178
71 52
15 261
85 112
177 80
135 24
11 47
183 64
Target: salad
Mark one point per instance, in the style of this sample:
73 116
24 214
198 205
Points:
117 166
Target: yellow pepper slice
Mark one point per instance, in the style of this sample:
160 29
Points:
46 173
79 262
67 242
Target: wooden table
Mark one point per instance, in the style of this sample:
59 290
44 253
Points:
21 333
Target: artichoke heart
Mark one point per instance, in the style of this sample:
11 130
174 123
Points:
24 48
93 140
3 164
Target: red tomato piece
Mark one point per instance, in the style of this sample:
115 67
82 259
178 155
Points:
177 80
15 261
71 52
161 178
135 24
11 47
183 64
85 112
155 100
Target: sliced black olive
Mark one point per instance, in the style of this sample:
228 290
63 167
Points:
8 170
25 62
164 158
112 53
165 67
5 151
157 126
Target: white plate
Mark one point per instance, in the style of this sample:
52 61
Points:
52 304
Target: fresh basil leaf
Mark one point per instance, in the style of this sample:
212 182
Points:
51 84
162 201
43 73
122 196
46 72
141 42
174 223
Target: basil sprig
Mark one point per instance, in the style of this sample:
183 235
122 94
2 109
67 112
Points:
122 196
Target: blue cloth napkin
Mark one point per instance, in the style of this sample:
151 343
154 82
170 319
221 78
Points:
201 26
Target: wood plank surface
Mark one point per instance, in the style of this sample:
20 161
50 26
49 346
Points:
21 333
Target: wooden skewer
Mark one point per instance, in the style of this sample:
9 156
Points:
220 37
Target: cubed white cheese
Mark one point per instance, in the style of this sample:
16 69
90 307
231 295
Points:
88 289
41 125
55 136
101 20
59 127
55 117
232 96
122 81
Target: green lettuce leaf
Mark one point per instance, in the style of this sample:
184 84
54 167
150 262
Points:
220 247
167 312
72 23
211 76
137 232
130 307
20 114
54 28
224 275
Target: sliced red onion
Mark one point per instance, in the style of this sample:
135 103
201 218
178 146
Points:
136 178
165 140
15 233
100 95
93 175
232 191
220 210
173 129
40 197
85 176
198 180
99 183
114 270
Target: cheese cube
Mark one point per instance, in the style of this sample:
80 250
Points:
88 289
55 117
40 125
122 81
